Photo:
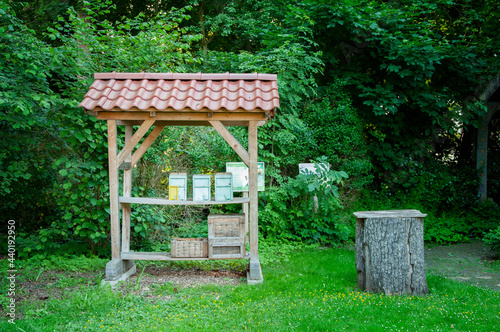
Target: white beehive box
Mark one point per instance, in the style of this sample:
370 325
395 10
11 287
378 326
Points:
202 187
224 187
179 180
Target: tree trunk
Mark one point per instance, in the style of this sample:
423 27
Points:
390 252
482 151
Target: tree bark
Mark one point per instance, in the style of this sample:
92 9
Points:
390 252
482 151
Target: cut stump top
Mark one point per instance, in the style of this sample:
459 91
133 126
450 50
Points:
390 214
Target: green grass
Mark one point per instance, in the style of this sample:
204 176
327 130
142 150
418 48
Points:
314 290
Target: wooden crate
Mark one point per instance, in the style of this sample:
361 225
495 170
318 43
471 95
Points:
224 248
196 247
226 225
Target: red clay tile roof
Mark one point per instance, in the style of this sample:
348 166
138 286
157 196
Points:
172 91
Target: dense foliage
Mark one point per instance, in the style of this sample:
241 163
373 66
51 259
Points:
385 92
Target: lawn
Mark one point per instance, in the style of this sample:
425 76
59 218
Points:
315 289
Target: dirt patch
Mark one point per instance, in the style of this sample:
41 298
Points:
153 276
471 263
162 284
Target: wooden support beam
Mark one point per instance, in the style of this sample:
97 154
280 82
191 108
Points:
127 192
182 116
253 190
129 146
254 275
166 201
114 186
232 141
197 123
146 144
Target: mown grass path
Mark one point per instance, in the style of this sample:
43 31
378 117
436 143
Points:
314 291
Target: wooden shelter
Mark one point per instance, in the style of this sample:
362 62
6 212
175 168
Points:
156 100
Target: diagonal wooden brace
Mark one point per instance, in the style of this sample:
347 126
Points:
146 144
232 141
129 146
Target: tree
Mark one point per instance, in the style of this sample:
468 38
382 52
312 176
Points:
412 68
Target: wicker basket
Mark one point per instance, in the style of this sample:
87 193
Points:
185 248
226 225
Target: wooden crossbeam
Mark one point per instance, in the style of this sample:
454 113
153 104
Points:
182 116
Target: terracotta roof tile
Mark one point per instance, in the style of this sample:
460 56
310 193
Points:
195 91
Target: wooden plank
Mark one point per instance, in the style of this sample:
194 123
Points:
245 212
187 123
127 191
253 193
232 141
166 201
158 256
182 116
113 190
146 144
162 256
138 135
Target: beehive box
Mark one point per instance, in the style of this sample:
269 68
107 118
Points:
226 225
173 193
178 180
189 248
224 187
224 248
202 187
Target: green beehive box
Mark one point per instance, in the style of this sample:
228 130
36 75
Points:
202 187
179 180
224 187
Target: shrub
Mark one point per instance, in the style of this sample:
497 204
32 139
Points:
306 208
492 238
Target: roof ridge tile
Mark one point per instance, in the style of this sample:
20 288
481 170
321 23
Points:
186 76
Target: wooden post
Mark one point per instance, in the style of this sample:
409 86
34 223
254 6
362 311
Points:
245 212
255 273
127 192
115 267
390 252
113 190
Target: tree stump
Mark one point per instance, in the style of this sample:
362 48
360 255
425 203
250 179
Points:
390 252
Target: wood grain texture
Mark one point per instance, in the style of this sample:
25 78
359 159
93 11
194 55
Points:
127 191
390 255
146 144
113 190
130 145
253 191
166 201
